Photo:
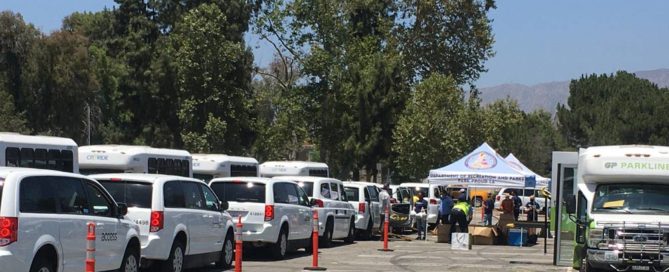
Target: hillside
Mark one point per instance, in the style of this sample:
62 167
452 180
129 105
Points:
547 95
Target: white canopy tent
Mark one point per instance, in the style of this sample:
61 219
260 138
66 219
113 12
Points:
483 167
542 182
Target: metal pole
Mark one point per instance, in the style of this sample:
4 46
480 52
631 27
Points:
545 224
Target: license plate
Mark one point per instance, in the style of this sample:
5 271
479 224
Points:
640 268
611 256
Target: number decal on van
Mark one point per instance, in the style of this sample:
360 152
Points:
108 236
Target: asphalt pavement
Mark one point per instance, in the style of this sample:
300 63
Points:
409 255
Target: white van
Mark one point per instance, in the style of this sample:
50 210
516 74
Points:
274 212
209 166
431 193
336 216
523 194
182 222
101 159
365 199
43 223
43 152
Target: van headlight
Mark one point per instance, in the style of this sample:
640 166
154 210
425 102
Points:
595 236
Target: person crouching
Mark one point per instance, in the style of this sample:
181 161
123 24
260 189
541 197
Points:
461 214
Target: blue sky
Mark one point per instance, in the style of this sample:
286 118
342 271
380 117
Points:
536 41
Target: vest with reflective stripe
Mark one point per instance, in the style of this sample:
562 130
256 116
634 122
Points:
463 206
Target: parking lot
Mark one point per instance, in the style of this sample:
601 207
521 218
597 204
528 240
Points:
410 256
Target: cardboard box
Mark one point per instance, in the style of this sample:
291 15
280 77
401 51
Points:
483 235
443 233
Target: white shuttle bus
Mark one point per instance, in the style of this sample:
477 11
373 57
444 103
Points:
622 209
44 152
210 166
294 168
101 159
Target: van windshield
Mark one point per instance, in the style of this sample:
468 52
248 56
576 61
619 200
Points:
631 198
239 191
308 188
133 194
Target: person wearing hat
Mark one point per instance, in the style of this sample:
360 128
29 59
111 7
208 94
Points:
461 214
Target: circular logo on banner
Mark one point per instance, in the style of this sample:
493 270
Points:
482 160
515 166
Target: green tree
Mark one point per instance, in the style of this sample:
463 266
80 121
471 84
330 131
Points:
214 75
429 132
614 109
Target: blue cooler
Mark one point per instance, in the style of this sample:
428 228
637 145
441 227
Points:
517 238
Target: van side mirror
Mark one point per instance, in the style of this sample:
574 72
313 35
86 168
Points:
122 209
223 205
312 202
570 204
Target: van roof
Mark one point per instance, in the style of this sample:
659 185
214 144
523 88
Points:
141 177
249 179
5 171
365 183
12 137
414 184
223 158
132 150
305 178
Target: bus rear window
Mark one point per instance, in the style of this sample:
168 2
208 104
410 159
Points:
240 191
352 193
308 187
133 194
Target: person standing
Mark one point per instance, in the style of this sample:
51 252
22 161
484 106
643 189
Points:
461 214
532 209
488 207
445 207
517 204
420 207
384 198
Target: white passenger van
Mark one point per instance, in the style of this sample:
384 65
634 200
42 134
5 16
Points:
622 209
336 216
294 168
43 152
364 196
209 166
44 216
182 223
275 213
100 159
431 194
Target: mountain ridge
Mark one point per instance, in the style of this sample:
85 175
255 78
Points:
548 95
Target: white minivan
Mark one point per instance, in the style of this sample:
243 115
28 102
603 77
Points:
182 222
431 193
364 196
524 197
44 216
274 212
336 216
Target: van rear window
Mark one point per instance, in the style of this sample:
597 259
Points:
352 193
239 191
133 194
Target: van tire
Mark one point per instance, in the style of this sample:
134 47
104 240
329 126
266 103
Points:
351 233
40 263
227 252
280 248
130 260
175 263
326 240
